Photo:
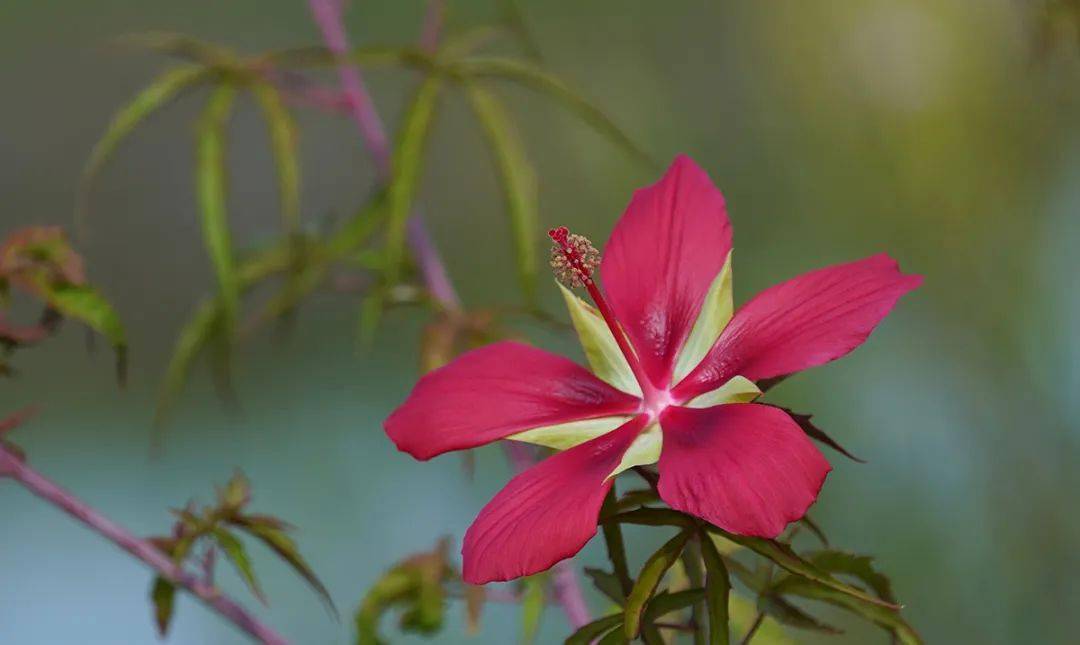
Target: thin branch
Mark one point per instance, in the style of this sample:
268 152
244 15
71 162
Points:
211 596
753 628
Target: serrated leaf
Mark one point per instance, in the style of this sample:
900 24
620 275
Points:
211 187
534 77
286 548
648 579
607 583
153 97
532 607
788 614
237 555
163 596
782 555
518 179
717 592
283 142
588 633
407 165
888 619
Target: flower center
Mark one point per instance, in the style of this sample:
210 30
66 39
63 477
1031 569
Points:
574 258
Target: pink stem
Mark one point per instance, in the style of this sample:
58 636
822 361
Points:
328 15
211 596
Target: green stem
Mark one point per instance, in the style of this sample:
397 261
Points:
691 557
615 547
753 628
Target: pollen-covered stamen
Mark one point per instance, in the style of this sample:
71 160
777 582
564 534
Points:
573 258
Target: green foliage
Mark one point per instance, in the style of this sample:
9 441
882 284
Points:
648 579
717 590
416 587
214 528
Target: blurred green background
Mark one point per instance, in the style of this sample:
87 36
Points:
943 132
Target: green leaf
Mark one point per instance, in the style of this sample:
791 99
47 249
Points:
532 607
153 97
87 305
717 592
667 602
371 312
193 337
889 619
211 186
514 19
182 46
518 179
588 633
283 138
648 579
816 433
859 566
782 555
275 537
774 605
163 595
607 583
395 586
237 554
236 493
407 164
535 78
601 351
614 637
651 517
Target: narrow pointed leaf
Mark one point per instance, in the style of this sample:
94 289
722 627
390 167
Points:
286 548
784 612
88 306
782 555
532 607
237 555
607 583
816 433
648 579
588 633
858 566
163 595
193 338
182 46
212 190
518 179
153 97
283 142
531 76
717 593
667 602
888 619
407 166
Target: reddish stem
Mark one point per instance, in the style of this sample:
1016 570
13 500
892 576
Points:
211 596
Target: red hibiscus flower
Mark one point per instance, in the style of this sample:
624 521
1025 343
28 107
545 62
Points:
672 383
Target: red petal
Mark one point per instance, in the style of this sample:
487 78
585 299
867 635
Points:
744 467
495 391
547 513
660 260
810 320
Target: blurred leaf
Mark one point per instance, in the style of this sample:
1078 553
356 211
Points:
211 184
648 579
614 637
407 164
85 304
273 536
815 529
283 138
889 619
16 419
193 337
514 19
182 46
163 595
803 420
475 596
588 633
461 44
782 555
237 554
607 583
366 55
518 179
532 607
717 592
371 311
236 494
297 286
540 80
391 588
153 97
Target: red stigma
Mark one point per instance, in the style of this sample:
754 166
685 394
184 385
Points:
573 257
560 235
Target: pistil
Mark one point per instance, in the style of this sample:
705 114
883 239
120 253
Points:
574 258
